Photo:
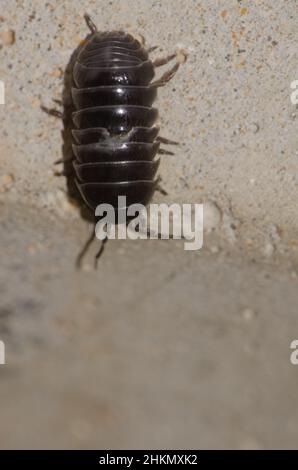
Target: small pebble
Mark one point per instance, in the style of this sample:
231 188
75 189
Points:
56 73
8 37
6 182
181 56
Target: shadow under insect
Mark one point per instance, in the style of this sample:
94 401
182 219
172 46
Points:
68 139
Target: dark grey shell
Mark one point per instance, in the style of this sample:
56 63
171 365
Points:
115 140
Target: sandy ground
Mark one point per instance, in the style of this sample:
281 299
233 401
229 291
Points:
159 347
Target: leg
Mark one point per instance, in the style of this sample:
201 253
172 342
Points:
100 252
162 191
63 173
167 76
165 141
165 152
58 114
163 60
142 40
61 160
159 188
85 249
52 112
151 49
90 24
58 102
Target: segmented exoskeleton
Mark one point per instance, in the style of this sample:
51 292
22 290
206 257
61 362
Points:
116 140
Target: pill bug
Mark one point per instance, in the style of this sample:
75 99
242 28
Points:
116 143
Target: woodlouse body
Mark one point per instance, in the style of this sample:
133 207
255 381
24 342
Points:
116 140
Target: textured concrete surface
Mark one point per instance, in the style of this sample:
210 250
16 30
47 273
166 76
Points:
159 347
